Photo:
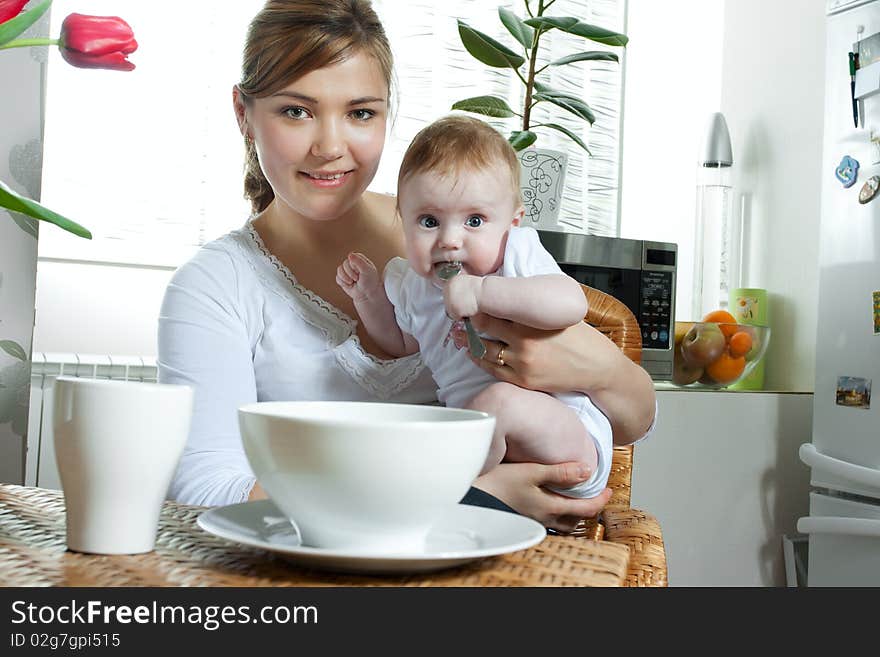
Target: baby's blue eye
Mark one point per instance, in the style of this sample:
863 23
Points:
428 222
474 221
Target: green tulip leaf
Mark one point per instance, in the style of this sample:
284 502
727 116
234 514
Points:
485 105
13 349
522 139
15 26
519 30
574 26
486 49
568 133
573 105
593 55
12 201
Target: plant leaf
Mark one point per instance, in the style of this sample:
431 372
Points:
568 133
9 199
15 26
13 349
573 105
521 139
574 26
547 90
486 49
519 30
485 105
592 55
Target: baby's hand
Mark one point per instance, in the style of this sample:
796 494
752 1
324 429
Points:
462 295
358 277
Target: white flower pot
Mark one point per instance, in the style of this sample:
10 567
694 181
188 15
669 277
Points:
542 176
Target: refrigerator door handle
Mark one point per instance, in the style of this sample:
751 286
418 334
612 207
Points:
840 526
855 473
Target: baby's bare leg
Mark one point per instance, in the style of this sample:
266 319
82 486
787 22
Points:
533 427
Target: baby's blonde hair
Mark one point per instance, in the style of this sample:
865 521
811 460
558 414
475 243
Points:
456 143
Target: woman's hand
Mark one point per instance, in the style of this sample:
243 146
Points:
522 487
552 361
577 358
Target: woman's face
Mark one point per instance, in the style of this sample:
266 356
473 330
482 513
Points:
320 139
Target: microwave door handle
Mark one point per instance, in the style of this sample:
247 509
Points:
839 526
849 471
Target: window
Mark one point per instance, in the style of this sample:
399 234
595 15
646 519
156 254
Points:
151 161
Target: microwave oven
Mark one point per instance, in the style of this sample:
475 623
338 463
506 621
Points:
639 273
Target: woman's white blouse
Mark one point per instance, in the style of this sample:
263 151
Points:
237 327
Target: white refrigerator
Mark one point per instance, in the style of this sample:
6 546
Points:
843 527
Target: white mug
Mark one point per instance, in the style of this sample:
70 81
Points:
117 444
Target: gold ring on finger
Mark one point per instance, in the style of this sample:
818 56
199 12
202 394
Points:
500 357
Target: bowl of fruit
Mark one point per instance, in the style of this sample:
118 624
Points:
716 352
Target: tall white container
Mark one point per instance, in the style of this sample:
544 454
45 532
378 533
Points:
717 240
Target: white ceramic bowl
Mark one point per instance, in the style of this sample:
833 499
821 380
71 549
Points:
364 476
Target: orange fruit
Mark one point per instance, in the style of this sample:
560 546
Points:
740 344
726 368
723 317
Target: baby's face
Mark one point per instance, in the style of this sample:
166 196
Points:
464 219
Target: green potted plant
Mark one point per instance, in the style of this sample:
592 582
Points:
540 191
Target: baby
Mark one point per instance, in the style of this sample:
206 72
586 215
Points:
458 198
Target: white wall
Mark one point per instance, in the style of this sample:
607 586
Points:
772 98
673 83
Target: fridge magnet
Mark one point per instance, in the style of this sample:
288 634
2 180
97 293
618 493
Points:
853 392
847 171
869 189
876 296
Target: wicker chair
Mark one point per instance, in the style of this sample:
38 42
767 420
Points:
619 522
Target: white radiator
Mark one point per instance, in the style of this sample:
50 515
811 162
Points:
46 367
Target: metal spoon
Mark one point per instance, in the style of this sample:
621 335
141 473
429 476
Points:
475 345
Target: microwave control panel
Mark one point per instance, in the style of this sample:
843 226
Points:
655 309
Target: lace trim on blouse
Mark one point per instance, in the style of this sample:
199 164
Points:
382 378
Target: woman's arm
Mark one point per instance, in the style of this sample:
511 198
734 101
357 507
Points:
203 343
576 358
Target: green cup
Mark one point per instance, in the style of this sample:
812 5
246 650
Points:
749 306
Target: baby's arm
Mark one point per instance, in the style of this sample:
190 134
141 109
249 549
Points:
549 301
359 279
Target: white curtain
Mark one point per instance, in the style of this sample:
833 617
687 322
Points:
150 161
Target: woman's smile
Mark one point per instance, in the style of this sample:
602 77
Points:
329 180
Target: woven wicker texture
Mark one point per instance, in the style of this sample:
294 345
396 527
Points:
614 319
641 533
618 523
33 553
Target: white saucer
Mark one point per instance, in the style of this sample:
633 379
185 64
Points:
464 534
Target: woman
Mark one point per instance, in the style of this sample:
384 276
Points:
257 314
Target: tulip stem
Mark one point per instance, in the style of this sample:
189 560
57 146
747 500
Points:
26 43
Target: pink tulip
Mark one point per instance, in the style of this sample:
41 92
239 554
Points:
97 42
10 9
